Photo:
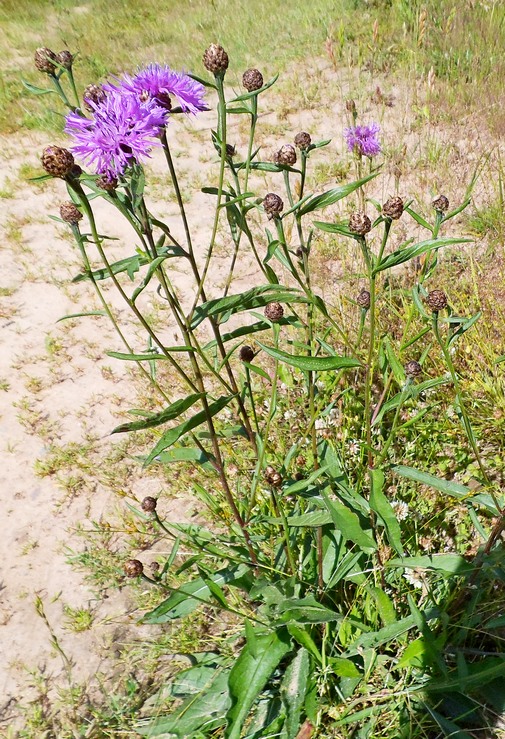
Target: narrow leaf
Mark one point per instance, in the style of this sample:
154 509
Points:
79 315
314 364
410 252
333 196
380 504
167 414
250 674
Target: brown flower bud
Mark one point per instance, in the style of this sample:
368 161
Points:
436 300
230 150
215 59
350 106
286 155
93 94
393 208
57 161
133 568
413 369
441 203
363 299
301 250
69 213
65 58
272 204
252 79
359 223
105 182
274 311
44 59
149 504
303 140
273 477
246 353
155 567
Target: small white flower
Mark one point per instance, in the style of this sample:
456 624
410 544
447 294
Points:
320 384
413 578
400 508
288 415
283 387
354 447
320 424
266 405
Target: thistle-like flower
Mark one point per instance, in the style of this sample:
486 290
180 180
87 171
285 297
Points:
246 353
413 369
44 59
70 214
274 311
120 133
160 83
363 299
252 79
363 140
215 59
149 504
393 208
436 300
286 156
133 568
65 58
272 204
303 140
441 204
57 161
360 223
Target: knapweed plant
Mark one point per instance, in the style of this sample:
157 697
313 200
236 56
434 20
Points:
339 621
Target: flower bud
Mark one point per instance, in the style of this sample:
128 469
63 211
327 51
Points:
44 59
65 58
133 568
273 477
149 504
436 300
393 208
230 150
70 214
252 79
303 140
359 223
413 369
286 156
215 59
441 204
57 161
350 106
272 204
105 182
93 94
363 299
274 311
246 353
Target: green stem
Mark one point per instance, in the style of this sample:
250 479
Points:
280 512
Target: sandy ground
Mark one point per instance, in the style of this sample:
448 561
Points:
59 387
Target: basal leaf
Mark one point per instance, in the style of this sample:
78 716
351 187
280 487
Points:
293 689
250 674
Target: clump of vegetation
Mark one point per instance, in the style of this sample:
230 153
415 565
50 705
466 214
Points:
349 557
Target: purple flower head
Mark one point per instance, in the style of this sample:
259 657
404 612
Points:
121 132
160 83
363 140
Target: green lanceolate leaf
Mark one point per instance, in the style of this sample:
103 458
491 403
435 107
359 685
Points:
153 266
451 564
198 715
382 507
348 523
36 90
222 308
410 252
310 364
449 487
306 611
250 674
152 356
185 599
333 196
170 437
167 414
130 265
293 689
